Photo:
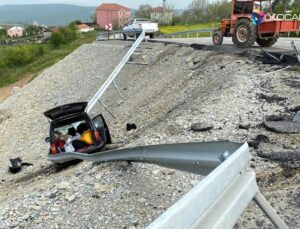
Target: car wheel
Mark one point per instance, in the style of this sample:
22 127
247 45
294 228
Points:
244 33
124 36
151 35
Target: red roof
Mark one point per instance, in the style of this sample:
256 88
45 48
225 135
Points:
160 10
82 26
111 7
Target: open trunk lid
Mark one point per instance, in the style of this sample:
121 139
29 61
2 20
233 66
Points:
65 110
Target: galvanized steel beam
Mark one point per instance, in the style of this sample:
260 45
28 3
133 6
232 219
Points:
217 201
115 73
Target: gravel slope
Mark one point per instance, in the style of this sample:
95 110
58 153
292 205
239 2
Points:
180 86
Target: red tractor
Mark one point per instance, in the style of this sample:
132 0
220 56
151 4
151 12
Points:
245 32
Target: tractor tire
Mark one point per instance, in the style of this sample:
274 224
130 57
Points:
244 33
151 35
266 42
218 38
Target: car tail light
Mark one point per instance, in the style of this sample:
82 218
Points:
53 149
97 135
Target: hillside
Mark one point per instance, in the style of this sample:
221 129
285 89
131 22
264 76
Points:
173 88
48 14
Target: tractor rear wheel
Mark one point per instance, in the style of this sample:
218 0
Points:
218 38
244 33
266 42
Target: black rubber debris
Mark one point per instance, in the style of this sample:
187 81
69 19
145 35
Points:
131 126
295 109
271 98
17 165
277 58
258 139
280 156
285 127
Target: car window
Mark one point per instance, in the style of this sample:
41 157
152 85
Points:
141 20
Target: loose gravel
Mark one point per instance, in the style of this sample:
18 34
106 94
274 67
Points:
174 88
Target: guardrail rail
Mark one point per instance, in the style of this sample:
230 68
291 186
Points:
217 201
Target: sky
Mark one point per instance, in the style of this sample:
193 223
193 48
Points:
177 4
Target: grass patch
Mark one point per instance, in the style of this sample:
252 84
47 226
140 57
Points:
181 28
12 74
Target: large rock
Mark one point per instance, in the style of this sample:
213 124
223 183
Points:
201 126
282 127
287 157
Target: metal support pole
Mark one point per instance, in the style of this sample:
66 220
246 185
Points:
296 51
106 108
269 211
118 90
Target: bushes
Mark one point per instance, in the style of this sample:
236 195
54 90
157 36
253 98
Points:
63 36
56 39
21 55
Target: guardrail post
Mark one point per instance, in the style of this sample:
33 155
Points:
269 211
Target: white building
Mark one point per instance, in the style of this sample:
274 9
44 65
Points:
15 31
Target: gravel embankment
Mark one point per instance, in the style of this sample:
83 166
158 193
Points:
179 87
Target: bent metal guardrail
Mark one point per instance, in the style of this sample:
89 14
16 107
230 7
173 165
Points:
117 34
115 73
217 201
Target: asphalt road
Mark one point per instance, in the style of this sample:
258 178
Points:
283 44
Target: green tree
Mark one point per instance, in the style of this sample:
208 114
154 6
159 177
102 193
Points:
31 30
144 11
3 34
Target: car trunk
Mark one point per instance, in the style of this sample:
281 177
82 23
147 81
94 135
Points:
65 110
64 123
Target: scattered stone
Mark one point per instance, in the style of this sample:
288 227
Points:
64 186
244 126
54 209
141 200
71 198
52 195
201 126
103 188
282 127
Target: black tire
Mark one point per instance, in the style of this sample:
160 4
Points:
218 38
151 35
266 42
244 33
124 37
137 35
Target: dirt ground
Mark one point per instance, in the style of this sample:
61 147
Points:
167 88
7 91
